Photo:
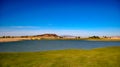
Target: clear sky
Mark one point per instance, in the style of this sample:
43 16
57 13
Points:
63 17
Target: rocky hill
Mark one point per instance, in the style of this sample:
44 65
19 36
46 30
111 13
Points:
48 35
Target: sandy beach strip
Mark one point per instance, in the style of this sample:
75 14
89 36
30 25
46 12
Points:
12 39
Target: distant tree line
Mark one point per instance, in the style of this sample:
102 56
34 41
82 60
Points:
14 36
7 37
95 37
61 37
78 37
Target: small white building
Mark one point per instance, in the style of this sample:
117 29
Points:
115 37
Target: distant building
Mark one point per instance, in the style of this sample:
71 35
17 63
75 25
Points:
69 37
115 37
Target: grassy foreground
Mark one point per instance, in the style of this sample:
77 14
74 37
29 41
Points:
100 57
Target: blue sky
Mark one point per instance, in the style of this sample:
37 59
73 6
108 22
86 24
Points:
63 17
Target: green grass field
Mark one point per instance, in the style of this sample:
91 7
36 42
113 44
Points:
99 57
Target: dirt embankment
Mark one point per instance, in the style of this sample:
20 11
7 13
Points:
12 39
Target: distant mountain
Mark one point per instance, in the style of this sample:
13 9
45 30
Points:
116 36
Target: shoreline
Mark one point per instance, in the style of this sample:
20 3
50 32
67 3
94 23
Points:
102 39
12 39
21 39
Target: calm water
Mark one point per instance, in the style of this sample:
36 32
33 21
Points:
41 45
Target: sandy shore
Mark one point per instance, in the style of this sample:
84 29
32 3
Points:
20 39
103 39
12 39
